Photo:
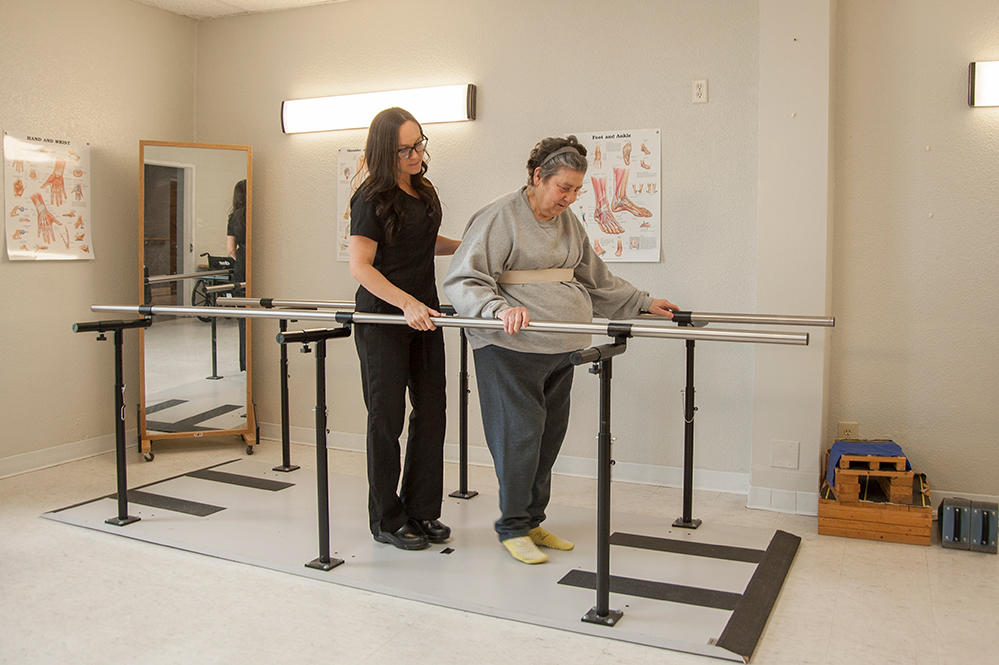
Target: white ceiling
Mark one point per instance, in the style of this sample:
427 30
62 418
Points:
203 9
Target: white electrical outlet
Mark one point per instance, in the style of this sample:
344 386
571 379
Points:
848 430
699 91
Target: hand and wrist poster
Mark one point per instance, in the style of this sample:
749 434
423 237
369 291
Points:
46 198
350 174
620 205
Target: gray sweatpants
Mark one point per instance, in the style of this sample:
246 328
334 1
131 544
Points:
525 413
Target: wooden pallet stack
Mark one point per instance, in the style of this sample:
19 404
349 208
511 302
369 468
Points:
900 514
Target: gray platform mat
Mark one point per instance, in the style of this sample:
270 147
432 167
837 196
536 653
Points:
707 591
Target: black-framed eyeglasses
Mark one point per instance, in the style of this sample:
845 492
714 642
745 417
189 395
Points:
420 147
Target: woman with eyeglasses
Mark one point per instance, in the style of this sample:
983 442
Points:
395 216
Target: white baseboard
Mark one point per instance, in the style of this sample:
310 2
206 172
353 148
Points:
653 474
68 452
783 501
629 472
764 498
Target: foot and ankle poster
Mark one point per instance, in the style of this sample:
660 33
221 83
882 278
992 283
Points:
620 204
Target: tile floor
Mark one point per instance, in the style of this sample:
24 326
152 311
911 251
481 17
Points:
70 595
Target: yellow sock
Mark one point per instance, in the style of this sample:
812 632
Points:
546 539
523 549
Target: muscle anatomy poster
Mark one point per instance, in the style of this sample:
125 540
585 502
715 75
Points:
350 174
620 205
46 198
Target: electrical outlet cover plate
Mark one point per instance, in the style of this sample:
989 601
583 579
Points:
699 91
847 430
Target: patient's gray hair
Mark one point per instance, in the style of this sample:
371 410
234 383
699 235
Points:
553 154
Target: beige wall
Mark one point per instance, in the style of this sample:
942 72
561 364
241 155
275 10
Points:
915 268
109 72
541 68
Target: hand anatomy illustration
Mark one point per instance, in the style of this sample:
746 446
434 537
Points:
35 169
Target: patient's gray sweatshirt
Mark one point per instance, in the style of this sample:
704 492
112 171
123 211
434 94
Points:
505 235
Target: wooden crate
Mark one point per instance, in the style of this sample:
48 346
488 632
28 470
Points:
872 462
887 522
895 485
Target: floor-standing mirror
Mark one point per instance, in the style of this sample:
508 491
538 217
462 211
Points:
194 248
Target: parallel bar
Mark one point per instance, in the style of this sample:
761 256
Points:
794 338
155 279
644 319
766 319
273 302
221 288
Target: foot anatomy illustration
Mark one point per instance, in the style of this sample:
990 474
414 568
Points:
602 213
621 202
597 249
626 153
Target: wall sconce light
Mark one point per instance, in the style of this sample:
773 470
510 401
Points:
446 103
983 84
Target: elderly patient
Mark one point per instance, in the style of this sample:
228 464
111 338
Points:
524 256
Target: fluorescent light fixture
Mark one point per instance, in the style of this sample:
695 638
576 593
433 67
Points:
983 84
445 103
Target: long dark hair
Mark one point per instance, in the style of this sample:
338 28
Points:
238 197
381 157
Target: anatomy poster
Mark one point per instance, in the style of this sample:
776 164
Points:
46 198
350 174
619 204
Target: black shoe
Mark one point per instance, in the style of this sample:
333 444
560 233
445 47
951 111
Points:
406 537
435 530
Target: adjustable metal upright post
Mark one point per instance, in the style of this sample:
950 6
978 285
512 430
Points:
215 365
101 327
286 465
323 561
686 521
602 359
463 492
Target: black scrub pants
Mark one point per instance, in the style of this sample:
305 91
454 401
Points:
394 359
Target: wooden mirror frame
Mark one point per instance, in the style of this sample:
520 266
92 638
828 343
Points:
249 432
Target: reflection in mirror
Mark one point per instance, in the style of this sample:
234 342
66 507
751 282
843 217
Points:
195 230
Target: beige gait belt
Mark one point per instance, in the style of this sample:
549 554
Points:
535 276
